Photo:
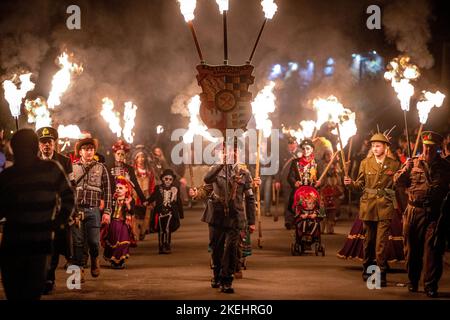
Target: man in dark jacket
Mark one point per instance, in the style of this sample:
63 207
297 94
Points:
48 138
36 199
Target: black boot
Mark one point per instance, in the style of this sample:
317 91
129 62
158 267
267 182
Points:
227 288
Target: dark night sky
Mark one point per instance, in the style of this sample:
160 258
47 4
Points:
143 51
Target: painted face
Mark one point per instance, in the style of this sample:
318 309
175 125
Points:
378 148
140 160
328 155
121 190
47 146
430 151
310 204
307 150
167 180
87 152
119 156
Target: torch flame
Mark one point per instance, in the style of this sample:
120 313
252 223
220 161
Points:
347 127
61 79
327 109
264 104
400 72
223 5
308 127
15 96
70 131
129 115
431 100
187 8
38 112
111 117
196 126
269 8
159 129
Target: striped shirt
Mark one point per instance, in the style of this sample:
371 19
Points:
35 199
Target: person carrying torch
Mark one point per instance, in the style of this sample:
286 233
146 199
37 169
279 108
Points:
377 204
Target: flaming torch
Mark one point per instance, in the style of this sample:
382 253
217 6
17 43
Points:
346 129
187 8
196 126
223 8
424 107
129 115
269 8
400 73
66 133
38 112
111 117
15 96
61 80
263 104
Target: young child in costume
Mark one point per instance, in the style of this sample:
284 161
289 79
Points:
117 236
168 209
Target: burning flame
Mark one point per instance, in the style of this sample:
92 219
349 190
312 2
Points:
196 126
159 129
223 5
327 109
431 100
129 115
111 117
347 127
38 112
187 8
269 8
15 96
264 104
70 131
61 80
308 127
400 73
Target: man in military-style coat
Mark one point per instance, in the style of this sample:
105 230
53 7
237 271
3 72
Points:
48 139
377 204
427 178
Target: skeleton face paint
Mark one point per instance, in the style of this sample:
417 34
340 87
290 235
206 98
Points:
167 180
121 190
307 150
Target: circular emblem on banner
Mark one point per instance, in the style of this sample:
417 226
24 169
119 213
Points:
225 100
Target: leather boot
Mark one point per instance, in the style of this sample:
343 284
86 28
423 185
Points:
95 267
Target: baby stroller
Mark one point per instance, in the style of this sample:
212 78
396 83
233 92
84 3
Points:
308 214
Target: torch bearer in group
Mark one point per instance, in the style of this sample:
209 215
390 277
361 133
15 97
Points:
423 107
187 8
269 8
15 96
263 104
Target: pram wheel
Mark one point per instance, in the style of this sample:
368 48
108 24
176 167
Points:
319 248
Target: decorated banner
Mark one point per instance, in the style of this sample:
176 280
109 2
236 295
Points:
225 100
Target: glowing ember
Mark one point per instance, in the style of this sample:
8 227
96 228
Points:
15 96
38 112
223 5
196 126
111 117
129 115
187 8
431 100
61 80
70 131
269 8
264 104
